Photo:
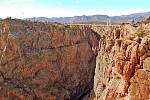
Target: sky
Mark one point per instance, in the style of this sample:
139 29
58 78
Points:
69 8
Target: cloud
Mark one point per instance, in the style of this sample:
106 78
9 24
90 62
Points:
34 11
40 11
19 1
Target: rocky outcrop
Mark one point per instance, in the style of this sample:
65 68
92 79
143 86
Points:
123 65
43 61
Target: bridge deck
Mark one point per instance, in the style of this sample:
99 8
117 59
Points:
90 25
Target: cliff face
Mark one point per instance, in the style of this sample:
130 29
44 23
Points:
40 61
123 64
43 61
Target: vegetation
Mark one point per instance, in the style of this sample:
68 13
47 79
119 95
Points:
140 32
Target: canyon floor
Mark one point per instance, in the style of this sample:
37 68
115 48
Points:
52 61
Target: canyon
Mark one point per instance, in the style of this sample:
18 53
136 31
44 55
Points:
52 61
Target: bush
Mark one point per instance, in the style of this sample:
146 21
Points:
140 32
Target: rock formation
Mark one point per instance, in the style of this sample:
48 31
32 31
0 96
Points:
123 64
43 61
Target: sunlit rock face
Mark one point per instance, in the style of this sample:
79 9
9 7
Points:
123 64
43 61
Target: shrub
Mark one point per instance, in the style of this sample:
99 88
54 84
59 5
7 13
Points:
140 32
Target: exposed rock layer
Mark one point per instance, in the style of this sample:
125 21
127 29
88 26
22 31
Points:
43 61
123 64
40 61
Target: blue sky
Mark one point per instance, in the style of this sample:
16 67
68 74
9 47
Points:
63 8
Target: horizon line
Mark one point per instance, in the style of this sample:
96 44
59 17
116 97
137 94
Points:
22 17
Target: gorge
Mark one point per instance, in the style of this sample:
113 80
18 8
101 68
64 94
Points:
52 61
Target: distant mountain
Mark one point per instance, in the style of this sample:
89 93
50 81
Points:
129 18
41 19
74 19
94 18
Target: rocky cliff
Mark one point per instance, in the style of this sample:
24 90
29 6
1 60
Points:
123 63
43 61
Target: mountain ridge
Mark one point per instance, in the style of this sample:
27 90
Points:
93 18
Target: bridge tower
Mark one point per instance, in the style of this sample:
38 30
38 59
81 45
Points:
108 25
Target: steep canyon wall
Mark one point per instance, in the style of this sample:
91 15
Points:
123 63
43 61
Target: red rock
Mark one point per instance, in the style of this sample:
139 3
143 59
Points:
47 61
139 88
123 72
